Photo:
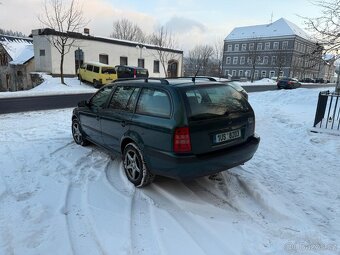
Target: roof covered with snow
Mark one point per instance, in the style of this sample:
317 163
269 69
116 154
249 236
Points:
19 49
281 27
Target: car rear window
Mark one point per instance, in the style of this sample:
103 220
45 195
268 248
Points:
214 101
109 70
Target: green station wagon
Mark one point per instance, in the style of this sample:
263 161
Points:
179 128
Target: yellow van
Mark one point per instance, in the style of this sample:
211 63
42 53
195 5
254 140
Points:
97 73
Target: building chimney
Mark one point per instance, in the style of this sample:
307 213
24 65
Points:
87 31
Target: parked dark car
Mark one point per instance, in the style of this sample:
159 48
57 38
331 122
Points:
124 72
170 127
288 83
308 80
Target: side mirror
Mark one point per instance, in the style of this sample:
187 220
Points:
83 103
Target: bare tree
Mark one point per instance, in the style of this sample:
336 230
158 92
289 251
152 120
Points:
279 60
199 59
218 54
326 27
126 30
164 40
254 56
64 19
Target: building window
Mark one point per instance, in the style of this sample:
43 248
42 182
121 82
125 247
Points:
227 73
274 58
285 45
251 46
247 73
235 60
265 60
272 74
244 47
256 74
259 46
3 59
230 47
242 60
104 59
228 60
249 60
233 73
156 66
263 74
267 46
141 62
42 53
259 60
237 47
276 45
123 61
240 73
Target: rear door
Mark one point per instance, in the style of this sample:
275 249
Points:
218 117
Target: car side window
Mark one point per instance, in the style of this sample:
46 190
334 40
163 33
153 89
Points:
89 67
122 97
100 98
154 102
96 69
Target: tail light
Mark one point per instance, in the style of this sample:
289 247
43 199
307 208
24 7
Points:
134 74
182 140
289 83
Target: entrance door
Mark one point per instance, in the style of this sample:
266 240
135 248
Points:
172 68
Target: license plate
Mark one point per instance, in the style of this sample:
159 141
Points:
222 137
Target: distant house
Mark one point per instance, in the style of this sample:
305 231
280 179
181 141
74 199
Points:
16 63
88 48
277 49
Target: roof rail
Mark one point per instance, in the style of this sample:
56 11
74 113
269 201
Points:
162 80
193 78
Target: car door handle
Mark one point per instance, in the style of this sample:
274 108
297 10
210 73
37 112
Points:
123 123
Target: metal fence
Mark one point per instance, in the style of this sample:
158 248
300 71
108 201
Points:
328 111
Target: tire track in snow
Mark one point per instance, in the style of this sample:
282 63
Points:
186 220
209 197
142 232
80 231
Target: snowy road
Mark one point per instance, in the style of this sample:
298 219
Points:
60 198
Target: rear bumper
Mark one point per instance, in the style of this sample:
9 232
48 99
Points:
186 167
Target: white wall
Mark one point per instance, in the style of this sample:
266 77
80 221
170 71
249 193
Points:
51 62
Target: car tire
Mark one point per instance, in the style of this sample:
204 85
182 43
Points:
77 133
135 167
96 84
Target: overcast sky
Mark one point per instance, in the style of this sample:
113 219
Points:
193 22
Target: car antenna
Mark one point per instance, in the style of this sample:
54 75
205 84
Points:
194 78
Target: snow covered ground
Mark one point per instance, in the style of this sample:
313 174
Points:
60 198
52 86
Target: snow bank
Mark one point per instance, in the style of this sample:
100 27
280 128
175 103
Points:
52 86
